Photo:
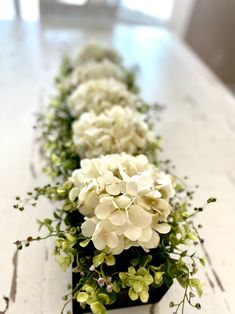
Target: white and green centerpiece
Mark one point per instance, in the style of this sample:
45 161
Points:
120 222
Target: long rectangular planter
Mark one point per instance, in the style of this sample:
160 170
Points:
123 300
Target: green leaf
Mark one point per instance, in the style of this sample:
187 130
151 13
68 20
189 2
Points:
82 297
148 279
173 240
131 271
98 259
202 261
112 297
98 308
63 261
144 296
145 260
110 260
179 188
192 236
137 286
132 294
40 224
135 261
182 267
116 287
182 281
196 283
104 298
85 242
142 271
47 221
50 228
199 290
158 277
88 289
123 276
71 237
168 280
184 253
56 215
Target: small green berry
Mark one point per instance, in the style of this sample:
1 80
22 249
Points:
171 304
198 306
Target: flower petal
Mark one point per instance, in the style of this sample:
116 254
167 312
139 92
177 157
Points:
147 235
162 207
132 232
163 228
91 199
99 239
88 227
118 218
120 247
152 243
139 217
112 240
113 189
73 194
131 188
103 210
122 201
166 187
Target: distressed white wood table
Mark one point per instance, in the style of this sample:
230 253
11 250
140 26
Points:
198 127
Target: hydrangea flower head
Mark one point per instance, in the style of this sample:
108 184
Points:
125 201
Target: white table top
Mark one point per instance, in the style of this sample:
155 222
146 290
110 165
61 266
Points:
198 127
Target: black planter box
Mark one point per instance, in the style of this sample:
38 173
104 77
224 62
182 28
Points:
123 300
123 262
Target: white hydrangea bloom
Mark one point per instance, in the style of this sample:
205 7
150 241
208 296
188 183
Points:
98 52
98 95
115 130
97 70
125 201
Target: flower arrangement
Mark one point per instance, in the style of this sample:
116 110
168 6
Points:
122 220
114 130
70 101
94 51
98 70
123 199
98 95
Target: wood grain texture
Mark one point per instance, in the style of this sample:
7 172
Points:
198 127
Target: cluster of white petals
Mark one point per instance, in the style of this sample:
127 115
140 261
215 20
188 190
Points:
98 95
115 130
97 70
94 51
125 201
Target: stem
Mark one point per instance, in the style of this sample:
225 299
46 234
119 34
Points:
66 303
39 238
182 302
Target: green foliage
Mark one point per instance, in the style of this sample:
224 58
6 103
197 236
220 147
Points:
103 258
138 283
64 261
98 308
